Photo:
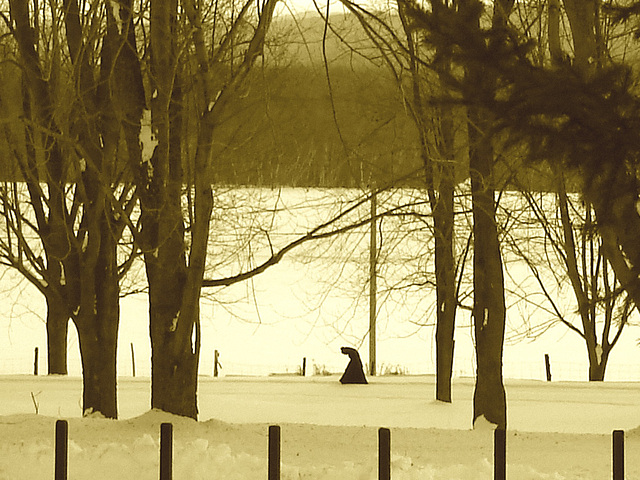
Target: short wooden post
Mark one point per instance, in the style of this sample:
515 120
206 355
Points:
547 365
215 363
166 451
35 362
61 450
274 452
618 455
304 366
133 361
500 454
384 454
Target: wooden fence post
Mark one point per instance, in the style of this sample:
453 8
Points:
61 450
216 363
35 362
166 451
384 454
618 455
133 361
500 454
547 365
274 453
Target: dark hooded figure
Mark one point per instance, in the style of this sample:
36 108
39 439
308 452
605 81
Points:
354 372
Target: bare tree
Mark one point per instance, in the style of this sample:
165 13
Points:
476 84
570 249
79 215
175 253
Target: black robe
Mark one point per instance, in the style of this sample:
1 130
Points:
354 372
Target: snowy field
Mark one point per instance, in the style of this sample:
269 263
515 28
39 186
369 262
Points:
558 430
309 306
316 300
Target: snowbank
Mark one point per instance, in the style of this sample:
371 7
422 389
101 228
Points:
324 448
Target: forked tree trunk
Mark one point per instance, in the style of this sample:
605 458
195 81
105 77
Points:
97 323
174 285
597 366
174 360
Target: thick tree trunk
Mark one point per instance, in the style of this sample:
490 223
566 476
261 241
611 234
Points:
583 20
596 371
598 358
57 331
98 354
489 399
174 359
174 367
97 322
489 311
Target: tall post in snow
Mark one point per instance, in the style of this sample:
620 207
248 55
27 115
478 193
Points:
133 361
373 287
61 450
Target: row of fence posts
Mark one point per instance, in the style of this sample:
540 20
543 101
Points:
216 363
384 453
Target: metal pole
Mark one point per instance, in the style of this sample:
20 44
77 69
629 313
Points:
373 287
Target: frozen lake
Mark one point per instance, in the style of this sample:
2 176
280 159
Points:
315 301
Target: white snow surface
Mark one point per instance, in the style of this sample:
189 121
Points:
558 430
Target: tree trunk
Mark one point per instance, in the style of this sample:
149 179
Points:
174 286
97 323
98 354
174 367
489 311
443 219
174 360
57 330
440 172
583 20
596 370
489 399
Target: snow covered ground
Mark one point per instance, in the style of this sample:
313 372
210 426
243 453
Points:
329 431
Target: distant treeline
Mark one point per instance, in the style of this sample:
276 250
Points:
291 129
